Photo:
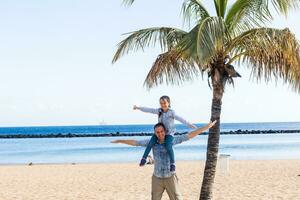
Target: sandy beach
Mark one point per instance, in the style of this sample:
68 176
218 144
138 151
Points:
272 179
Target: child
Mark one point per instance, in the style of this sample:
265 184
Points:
167 117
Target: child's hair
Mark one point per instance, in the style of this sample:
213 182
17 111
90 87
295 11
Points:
164 98
159 125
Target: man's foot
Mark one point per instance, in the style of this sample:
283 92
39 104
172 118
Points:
143 162
172 168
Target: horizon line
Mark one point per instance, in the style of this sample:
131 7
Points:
68 125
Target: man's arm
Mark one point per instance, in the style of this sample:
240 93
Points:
186 137
128 142
201 130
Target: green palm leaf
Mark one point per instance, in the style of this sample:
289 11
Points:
283 6
212 37
221 6
194 10
192 55
128 2
166 37
172 67
244 14
269 53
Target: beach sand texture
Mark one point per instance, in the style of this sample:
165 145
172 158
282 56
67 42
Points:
268 180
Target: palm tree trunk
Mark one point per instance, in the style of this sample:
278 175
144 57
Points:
214 135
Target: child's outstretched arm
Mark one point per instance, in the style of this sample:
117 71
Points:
146 110
182 120
142 143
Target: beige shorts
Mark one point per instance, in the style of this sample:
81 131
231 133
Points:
159 185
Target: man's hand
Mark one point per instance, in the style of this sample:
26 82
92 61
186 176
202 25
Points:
211 124
135 107
193 126
201 130
115 141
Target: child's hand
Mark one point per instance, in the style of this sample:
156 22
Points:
135 107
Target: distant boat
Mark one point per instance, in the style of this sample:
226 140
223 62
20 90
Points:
102 123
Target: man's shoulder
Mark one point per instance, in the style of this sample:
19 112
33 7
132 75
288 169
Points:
142 142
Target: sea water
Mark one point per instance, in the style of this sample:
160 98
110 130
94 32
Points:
100 150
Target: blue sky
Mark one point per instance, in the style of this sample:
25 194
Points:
55 68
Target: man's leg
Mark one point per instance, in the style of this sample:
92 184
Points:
172 188
157 188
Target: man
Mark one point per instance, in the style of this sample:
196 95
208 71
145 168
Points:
162 178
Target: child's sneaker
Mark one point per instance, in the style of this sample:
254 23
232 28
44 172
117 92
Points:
172 168
143 162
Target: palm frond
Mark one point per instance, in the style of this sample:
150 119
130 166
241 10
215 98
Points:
188 44
212 37
221 6
166 37
192 55
283 6
271 53
128 2
172 67
244 14
193 11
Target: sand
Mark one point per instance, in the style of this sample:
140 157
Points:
272 179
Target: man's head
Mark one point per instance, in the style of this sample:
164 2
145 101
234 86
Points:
160 131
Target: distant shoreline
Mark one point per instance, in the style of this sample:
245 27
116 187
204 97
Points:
118 134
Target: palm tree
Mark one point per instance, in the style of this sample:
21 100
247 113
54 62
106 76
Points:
213 43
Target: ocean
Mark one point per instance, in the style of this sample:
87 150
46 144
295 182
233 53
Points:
100 150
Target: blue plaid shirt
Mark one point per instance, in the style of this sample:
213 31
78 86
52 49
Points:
161 157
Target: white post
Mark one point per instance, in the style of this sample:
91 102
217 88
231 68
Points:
224 163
